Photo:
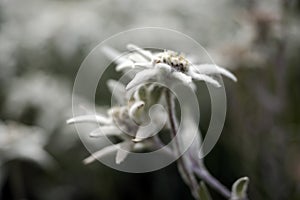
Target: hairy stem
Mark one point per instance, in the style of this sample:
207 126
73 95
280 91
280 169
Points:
191 181
204 175
201 172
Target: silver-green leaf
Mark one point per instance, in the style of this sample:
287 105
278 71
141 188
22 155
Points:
239 189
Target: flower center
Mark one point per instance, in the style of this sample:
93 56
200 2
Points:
177 61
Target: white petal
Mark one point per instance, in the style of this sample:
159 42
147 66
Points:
145 132
143 65
118 91
90 118
142 52
227 73
158 118
135 108
163 66
214 69
128 64
203 77
105 131
182 77
123 151
141 77
103 152
137 57
113 54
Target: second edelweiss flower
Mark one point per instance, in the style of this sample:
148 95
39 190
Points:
127 121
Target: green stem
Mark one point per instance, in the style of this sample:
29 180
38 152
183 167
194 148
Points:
205 176
191 181
201 173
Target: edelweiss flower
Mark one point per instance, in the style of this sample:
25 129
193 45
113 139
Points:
19 141
108 127
124 122
166 66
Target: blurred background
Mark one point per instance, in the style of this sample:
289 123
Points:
43 42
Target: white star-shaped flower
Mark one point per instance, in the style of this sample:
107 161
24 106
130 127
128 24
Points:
19 141
165 66
124 122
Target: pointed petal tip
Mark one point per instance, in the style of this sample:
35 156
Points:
146 54
130 46
89 119
245 178
120 157
129 87
119 161
88 160
230 76
70 121
134 47
205 78
132 85
234 78
94 135
214 69
135 140
214 83
227 73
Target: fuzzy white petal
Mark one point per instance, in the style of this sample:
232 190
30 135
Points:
103 152
142 77
90 118
128 64
163 66
182 77
118 91
141 65
145 132
113 54
142 52
106 131
158 118
227 73
135 108
203 77
123 151
214 69
137 57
